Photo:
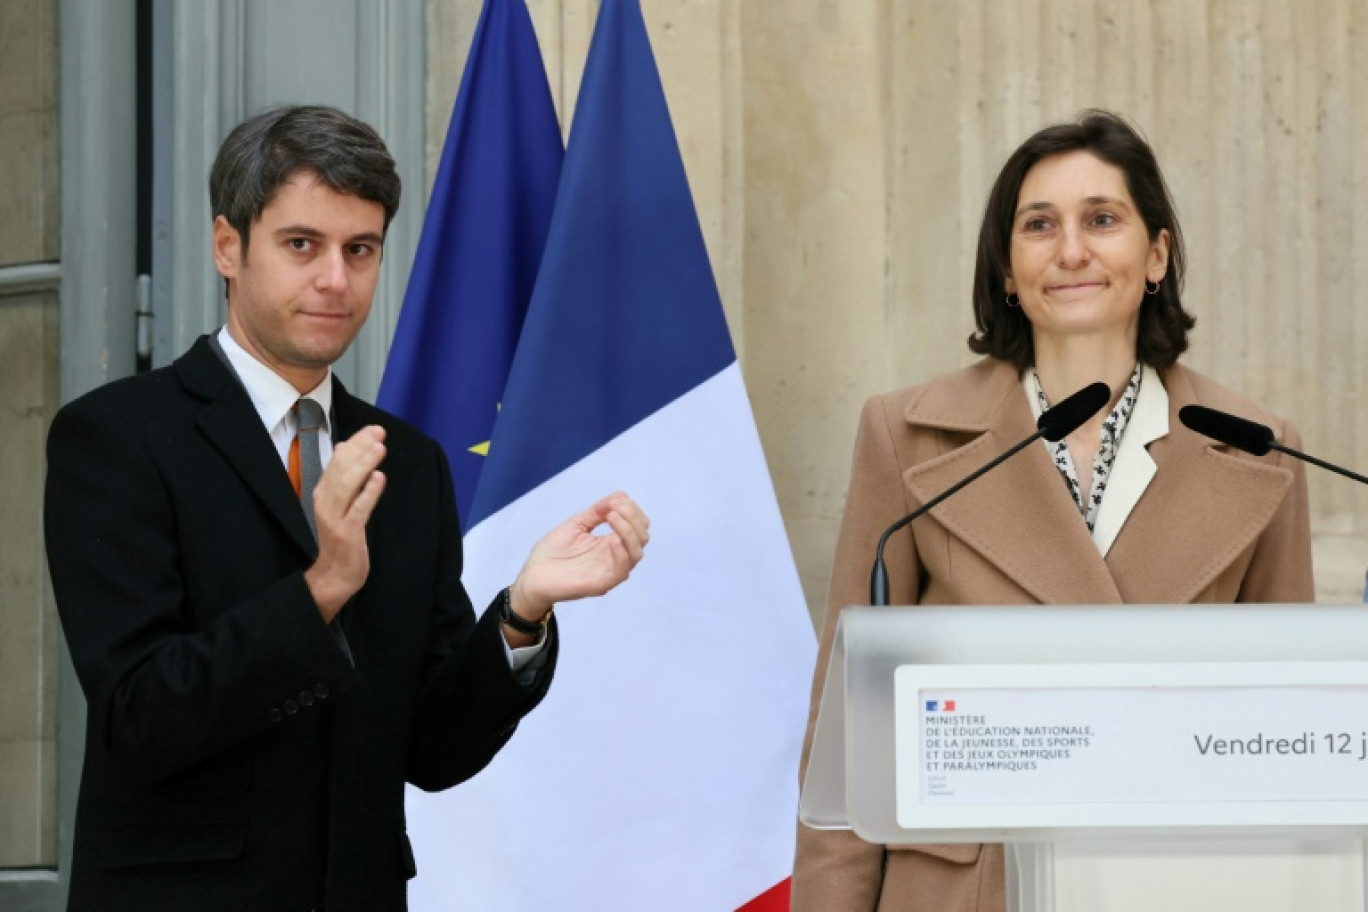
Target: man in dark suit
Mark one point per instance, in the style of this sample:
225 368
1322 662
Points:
264 672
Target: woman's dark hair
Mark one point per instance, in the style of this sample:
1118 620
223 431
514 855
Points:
1004 332
266 150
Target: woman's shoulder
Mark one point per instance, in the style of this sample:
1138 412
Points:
960 399
1204 390
1188 385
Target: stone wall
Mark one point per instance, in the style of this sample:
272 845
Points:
28 398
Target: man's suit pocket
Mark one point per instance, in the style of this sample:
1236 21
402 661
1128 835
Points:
139 846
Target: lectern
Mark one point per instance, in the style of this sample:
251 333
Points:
1131 757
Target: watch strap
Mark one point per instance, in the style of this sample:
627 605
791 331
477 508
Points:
516 621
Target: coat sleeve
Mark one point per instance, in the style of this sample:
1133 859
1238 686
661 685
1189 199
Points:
163 695
470 700
1280 569
835 870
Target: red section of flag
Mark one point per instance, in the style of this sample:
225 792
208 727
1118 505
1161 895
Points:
775 899
949 706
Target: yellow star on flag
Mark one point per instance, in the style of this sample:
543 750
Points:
482 449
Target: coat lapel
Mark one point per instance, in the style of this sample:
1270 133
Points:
233 427
1019 516
349 416
347 413
1134 467
1203 509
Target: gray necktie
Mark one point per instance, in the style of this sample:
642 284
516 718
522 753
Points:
310 464
310 470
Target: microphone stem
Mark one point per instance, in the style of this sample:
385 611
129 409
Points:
878 584
1318 462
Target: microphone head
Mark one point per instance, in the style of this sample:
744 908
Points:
1068 416
1240 433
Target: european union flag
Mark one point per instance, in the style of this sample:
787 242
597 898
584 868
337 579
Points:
481 246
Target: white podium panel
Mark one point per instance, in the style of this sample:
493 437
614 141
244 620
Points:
1134 756
1251 875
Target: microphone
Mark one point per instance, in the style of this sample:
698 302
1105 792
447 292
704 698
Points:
1241 433
1054 425
1068 416
1250 436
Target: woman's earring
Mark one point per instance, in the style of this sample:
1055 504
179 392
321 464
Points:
1012 300
1151 291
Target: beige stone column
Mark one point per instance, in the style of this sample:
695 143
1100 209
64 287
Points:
817 231
28 398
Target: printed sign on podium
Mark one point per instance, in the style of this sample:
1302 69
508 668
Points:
1179 745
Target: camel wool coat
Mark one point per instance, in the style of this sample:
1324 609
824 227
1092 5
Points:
1209 525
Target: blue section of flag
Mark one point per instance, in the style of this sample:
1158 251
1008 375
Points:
932 705
626 316
481 246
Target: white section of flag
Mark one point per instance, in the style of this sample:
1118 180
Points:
661 771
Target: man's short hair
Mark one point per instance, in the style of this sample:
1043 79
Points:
266 150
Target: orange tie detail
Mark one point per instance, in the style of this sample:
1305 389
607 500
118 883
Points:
296 477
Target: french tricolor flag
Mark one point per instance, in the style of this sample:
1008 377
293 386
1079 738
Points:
661 771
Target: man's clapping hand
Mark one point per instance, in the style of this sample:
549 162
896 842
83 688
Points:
572 562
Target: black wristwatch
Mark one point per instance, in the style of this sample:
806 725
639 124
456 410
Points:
517 621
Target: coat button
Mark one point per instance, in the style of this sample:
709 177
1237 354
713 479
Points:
306 698
321 690
291 707
276 715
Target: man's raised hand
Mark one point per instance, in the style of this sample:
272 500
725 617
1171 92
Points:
571 562
346 494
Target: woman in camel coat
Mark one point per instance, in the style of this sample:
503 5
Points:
1078 279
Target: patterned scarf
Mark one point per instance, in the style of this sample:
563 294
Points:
1112 429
